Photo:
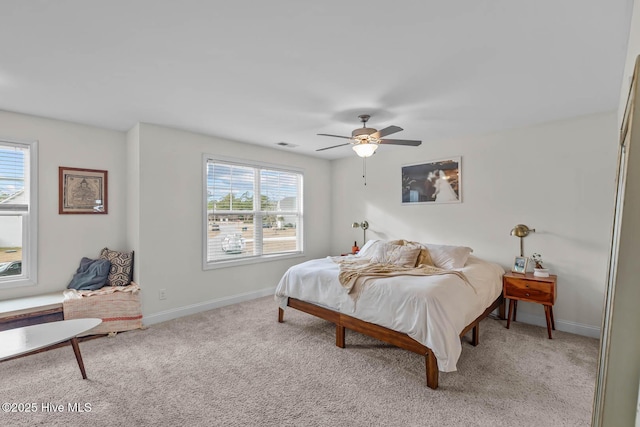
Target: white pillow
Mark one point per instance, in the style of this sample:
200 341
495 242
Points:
449 257
369 248
405 256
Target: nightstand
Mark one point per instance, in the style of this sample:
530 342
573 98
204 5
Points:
527 287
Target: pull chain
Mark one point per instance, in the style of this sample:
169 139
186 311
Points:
364 170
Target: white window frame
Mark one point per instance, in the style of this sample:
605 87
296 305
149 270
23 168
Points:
210 265
29 276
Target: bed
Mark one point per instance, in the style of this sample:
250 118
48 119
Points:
425 314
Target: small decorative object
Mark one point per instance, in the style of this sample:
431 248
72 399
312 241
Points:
82 191
355 248
233 243
539 270
520 265
438 181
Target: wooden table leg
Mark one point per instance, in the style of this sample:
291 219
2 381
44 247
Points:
515 309
501 309
280 315
511 303
76 350
553 323
547 315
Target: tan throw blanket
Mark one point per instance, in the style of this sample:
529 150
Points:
353 274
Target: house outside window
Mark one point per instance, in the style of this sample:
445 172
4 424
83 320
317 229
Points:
18 213
253 212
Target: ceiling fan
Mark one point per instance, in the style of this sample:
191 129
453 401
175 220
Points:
365 140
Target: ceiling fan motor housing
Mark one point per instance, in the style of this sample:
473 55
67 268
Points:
363 131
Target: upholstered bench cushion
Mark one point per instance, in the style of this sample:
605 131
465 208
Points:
117 306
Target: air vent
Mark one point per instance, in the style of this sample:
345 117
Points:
286 144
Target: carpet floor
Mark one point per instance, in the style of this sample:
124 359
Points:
236 366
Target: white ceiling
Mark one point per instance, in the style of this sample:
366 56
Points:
284 70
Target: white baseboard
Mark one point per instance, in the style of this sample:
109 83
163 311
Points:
561 325
174 313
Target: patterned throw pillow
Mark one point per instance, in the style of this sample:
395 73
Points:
121 266
424 258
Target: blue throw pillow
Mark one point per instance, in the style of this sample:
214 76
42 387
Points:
91 275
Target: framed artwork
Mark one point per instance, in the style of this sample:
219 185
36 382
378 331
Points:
437 181
82 191
520 264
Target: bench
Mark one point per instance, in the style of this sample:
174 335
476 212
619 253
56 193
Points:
118 307
25 311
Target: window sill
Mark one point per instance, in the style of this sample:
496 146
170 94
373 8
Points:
247 261
16 283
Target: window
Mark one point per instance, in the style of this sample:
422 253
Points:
18 220
253 212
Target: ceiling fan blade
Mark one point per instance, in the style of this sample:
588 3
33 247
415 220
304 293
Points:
335 136
386 131
326 148
410 142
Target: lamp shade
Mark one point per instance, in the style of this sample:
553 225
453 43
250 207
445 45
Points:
365 149
521 230
364 225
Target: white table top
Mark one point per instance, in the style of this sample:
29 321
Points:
15 342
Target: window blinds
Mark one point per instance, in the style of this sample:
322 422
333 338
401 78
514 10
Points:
252 211
14 166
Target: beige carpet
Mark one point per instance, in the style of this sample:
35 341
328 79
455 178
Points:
238 366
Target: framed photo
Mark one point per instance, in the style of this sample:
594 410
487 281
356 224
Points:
437 181
520 264
82 191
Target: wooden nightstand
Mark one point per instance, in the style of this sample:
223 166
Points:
527 287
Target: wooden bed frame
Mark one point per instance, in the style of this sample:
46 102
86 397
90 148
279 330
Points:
399 339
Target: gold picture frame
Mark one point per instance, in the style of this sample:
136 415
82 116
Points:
82 191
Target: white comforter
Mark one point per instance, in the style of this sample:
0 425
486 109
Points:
432 310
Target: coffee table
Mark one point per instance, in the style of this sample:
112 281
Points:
29 339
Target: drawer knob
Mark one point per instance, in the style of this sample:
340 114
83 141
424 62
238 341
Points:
526 294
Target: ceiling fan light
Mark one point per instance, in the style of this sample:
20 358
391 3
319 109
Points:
365 149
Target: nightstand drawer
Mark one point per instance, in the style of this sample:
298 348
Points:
528 290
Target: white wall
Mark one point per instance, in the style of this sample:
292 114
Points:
155 191
557 178
64 239
170 221
569 165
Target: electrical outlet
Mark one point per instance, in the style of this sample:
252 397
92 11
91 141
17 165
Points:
162 294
